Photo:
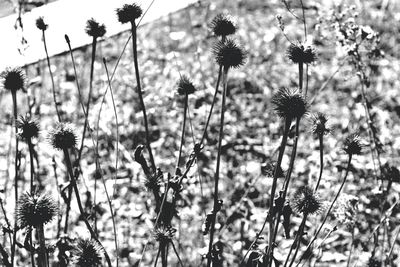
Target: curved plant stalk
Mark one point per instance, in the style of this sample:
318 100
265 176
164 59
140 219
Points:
216 178
15 109
329 210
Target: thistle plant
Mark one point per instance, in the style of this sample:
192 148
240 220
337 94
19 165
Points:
41 25
228 55
87 253
34 211
13 80
351 146
129 13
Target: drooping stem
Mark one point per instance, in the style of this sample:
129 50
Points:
80 207
296 241
14 99
321 159
51 77
329 210
183 130
140 94
217 170
42 247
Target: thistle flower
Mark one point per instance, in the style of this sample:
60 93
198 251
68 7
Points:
374 262
306 201
95 29
297 53
164 234
128 13
35 210
40 24
289 104
352 145
28 128
13 79
87 254
229 54
185 86
222 25
319 124
63 136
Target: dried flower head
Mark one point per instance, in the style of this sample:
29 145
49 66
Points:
40 24
95 29
297 53
289 104
222 25
319 124
306 201
128 13
229 54
87 253
352 145
13 79
185 86
28 128
63 136
35 210
374 262
346 210
164 234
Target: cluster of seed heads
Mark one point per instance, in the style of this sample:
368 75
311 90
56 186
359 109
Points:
297 53
129 13
229 54
306 201
87 253
319 124
28 128
289 104
222 25
185 86
95 29
13 79
352 145
63 136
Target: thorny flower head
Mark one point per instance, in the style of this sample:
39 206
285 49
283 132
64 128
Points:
306 201
289 104
185 86
229 54
222 25
40 24
13 79
352 145
63 136
319 124
35 210
128 13
87 253
297 53
95 29
28 128
164 234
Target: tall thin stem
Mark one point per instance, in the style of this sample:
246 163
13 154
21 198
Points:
31 158
183 130
329 210
43 261
321 159
301 77
296 240
140 94
14 99
217 170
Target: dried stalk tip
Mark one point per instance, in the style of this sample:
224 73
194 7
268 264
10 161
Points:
289 104
128 13
95 29
40 24
35 210
352 145
228 54
297 53
63 136
13 79
306 201
319 124
222 25
87 254
28 128
185 86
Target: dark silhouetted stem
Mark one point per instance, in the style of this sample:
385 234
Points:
301 77
183 130
296 241
13 245
42 247
30 147
321 160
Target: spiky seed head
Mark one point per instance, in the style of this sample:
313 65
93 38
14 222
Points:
223 25
164 234
40 24
35 210
319 124
63 136
289 104
28 128
185 86
95 29
13 79
374 262
352 145
229 54
87 253
128 13
306 201
297 53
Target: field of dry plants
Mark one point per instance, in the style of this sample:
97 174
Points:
229 133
